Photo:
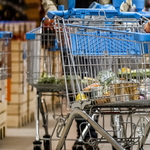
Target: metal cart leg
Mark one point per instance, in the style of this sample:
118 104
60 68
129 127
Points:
45 124
97 127
146 134
116 123
37 143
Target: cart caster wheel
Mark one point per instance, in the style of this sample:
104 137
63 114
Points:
80 148
37 148
46 142
37 145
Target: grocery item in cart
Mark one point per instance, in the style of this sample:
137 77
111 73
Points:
48 79
96 92
94 85
69 78
123 89
106 77
140 73
81 96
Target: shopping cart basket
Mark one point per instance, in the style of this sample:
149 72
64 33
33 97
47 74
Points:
5 55
124 46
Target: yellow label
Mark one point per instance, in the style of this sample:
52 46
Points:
84 97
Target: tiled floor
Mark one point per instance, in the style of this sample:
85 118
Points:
21 139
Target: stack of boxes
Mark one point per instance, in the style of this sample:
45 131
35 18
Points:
31 103
21 103
17 106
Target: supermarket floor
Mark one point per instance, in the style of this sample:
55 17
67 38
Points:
22 138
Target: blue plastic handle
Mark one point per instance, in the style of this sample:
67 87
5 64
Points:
32 34
130 15
145 14
83 12
6 34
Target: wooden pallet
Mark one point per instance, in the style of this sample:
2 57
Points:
18 98
16 121
17 67
3 128
17 46
31 103
17 115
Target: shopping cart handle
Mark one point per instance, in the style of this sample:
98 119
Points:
6 34
52 14
79 12
130 15
145 14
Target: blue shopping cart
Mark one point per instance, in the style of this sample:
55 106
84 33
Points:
93 52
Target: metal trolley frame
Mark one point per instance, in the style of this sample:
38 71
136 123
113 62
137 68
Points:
121 32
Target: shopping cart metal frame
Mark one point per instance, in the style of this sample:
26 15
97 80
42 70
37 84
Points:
84 27
69 119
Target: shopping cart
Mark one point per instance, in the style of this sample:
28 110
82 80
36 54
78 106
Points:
88 47
107 60
5 59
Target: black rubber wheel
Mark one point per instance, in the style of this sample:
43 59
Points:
37 148
46 145
37 145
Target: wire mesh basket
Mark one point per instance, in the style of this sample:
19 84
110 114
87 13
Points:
107 60
5 55
44 68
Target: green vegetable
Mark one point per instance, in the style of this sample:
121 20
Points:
44 74
68 78
58 81
40 80
51 79
44 79
106 77
135 73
